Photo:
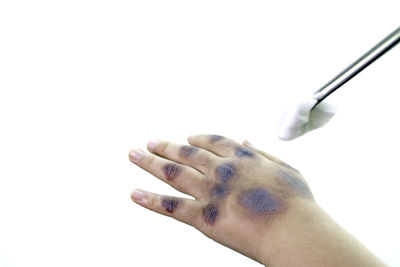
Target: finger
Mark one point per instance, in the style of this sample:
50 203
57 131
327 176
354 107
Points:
219 145
194 157
267 156
181 209
183 178
264 154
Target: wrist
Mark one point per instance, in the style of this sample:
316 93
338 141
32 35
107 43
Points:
307 236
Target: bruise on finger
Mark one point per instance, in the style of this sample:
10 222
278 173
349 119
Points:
186 151
171 170
214 138
170 203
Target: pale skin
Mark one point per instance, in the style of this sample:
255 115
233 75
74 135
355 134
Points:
248 200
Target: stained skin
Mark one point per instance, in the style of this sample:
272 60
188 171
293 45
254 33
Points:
296 184
210 213
259 201
226 172
220 191
214 138
187 151
244 152
170 204
171 171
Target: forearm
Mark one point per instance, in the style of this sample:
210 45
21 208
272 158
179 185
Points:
309 237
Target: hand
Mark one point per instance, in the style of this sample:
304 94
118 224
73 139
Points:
247 200
237 189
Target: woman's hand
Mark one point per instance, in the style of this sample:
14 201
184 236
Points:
244 198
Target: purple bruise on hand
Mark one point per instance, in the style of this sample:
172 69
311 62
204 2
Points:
171 171
210 213
220 190
259 201
169 204
243 152
186 151
214 138
225 172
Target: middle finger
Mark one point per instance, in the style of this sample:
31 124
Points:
192 156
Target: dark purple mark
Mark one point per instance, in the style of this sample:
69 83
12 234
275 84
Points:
210 213
170 204
171 170
215 138
296 183
225 172
259 201
243 152
186 151
220 190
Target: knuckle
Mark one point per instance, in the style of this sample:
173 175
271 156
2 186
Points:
163 147
243 152
171 171
150 161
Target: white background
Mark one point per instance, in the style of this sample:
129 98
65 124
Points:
82 82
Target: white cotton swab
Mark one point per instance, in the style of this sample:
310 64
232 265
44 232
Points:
311 113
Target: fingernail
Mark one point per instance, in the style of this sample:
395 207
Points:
136 154
138 196
153 144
